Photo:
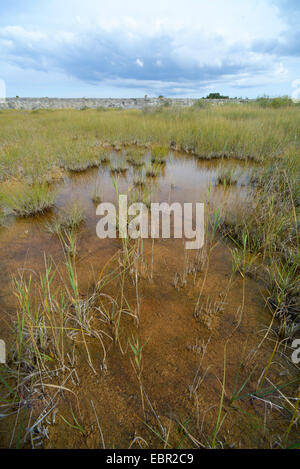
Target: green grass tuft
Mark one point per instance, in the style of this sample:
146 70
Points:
26 200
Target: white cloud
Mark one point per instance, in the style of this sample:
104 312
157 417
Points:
296 89
296 83
140 63
281 70
2 90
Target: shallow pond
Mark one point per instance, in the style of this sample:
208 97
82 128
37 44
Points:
175 334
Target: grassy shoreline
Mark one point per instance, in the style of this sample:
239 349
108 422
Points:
36 145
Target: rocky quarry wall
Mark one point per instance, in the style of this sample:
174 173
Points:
30 104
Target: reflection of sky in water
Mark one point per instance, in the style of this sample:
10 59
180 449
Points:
181 180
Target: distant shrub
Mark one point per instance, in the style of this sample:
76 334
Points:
263 101
216 96
200 103
280 101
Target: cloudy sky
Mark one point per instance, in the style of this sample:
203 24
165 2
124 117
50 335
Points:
129 48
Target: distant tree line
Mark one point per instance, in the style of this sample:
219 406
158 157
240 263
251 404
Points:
216 96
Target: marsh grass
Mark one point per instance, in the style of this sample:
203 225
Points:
135 157
139 178
69 138
284 288
118 165
227 175
97 193
69 219
48 322
249 383
243 260
266 234
41 353
2 218
153 170
38 353
219 420
39 333
26 200
159 154
142 191
137 350
104 157
79 157
68 239
66 226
